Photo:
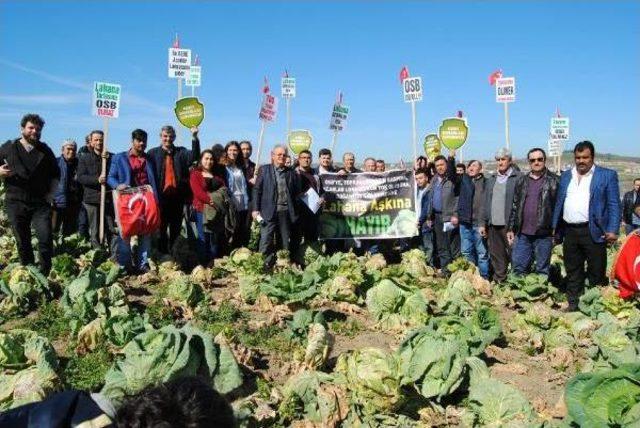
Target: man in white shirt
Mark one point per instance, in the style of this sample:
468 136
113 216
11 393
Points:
587 218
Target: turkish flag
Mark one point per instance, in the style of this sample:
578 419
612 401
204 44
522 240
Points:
626 268
404 73
494 76
137 211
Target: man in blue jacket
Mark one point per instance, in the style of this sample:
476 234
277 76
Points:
471 217
132 169
68 196
587 216
423 205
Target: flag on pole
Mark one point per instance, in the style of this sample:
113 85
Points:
494 76
558 112
460 114
404 73
197 62
286 73
176 42
626 268
339 98
265 88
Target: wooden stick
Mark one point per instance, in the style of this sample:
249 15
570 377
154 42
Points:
414 135
334 139
506 124
260 138
103 186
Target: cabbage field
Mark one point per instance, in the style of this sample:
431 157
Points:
346 342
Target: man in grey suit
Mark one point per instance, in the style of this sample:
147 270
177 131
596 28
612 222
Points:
275 197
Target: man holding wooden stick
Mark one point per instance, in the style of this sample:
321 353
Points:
93 168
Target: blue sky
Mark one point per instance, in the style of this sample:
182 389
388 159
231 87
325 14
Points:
583 57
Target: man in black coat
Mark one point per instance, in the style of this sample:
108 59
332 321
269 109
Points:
174 191
91 177
275 197
30 173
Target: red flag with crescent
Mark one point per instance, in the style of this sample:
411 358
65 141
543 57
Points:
495 76
137 211
404 73
626 268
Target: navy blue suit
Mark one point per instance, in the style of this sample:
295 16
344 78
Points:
121 173
585 243
604 205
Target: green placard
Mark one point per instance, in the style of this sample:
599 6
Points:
189 111
432 146
453 132
299 140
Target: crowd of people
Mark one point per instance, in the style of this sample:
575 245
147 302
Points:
508 219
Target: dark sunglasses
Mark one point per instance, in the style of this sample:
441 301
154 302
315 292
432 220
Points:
536 160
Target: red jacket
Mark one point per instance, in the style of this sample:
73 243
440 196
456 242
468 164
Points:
199 190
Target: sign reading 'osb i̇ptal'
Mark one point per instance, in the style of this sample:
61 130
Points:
179 63
412 89
106 99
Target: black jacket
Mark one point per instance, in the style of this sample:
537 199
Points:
183 159
265 193
24 185
546 203
628 204
89 169
465 200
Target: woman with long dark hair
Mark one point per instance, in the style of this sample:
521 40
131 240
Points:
239 192
203 181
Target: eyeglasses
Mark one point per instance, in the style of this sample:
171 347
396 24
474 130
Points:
532 160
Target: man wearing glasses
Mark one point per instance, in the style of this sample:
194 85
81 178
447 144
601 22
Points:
531 216
499 190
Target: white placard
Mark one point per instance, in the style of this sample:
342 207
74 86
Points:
106 99
339 117
269 108
559 129
555 148
506 90
288 87
179 63
194 76
412 89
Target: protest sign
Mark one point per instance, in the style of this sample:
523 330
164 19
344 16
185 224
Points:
299 140
432 146
555 148
106 100
368 205
506 90
288 87
559 129
179 63
194 78
189 111
453 132
412 89
339 116
269 108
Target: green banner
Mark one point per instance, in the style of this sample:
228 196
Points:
189 111
368 205
299 140
453 132
432 146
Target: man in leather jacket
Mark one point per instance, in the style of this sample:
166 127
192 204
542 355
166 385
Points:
630 200
530 222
